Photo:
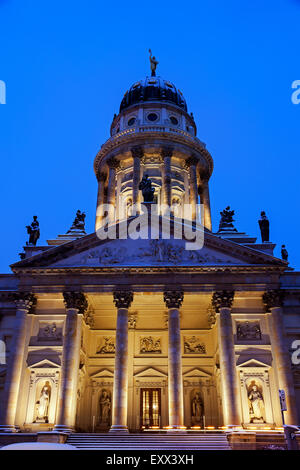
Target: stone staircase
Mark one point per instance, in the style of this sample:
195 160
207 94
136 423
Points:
150 441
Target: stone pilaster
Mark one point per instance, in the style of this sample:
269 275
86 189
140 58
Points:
205 200
76 304
113 164
101 177
137 155
191 164
122 300
166 153
222 302
173 301
273 302
25 301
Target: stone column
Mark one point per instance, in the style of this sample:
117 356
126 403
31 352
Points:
191 164
222 302
205 200
122 300
25 301
137 155
113 164
173 300
76 304
101 177
273 301
167 153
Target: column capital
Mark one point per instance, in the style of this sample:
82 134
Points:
137 152
123 299
191 161
173 298
222 298
167 152
112 162
75 300
25 300
273 298
101 176
204 176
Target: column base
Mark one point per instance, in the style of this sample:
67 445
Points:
62 428
9 428
180 429
115 428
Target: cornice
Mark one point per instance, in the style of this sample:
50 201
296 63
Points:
135 138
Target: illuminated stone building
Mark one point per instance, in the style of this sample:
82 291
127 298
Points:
129 334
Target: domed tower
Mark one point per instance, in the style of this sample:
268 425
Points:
153 134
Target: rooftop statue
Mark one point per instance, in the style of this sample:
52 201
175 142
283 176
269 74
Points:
226 222
284 253
79 222
153 64
264 227
34 231
147 190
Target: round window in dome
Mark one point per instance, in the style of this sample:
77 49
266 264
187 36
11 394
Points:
174 120
152 117
131 121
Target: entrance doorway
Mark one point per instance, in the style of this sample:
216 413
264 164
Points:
150 411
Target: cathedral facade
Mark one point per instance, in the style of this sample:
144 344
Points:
153 321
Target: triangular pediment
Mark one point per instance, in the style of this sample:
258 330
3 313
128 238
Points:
253 363
44 364
150 372
196 373
91 252
102 373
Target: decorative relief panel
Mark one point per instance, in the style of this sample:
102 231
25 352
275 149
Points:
106 345
150 344
50 331
193 345
248 330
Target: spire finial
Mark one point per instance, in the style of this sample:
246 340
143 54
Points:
153 64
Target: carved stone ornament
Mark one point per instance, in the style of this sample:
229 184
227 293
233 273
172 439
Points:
222 298
173 299
89 317
150 344
132 318
25 300
123 299
273 298
75 300
193 345
107 346
50 332
248 330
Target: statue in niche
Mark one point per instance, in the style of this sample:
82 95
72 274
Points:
197 408
105 408
33 231
153 64
42 405
147 190
108 347
256 404
264 225
79 222
150 345
226 222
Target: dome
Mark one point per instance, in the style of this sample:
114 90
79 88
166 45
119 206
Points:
153 89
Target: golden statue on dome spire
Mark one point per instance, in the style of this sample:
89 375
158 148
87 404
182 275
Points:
153 64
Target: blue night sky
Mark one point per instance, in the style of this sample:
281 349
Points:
67 64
